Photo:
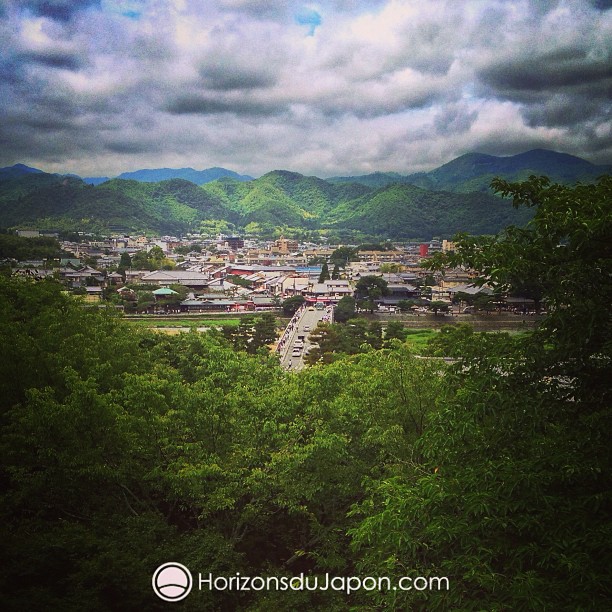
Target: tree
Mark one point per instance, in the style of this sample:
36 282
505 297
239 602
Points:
324 273
125 261
343 255
336 272
515 461
265 332
391 268
394 330
371 288
345 309
291 305
438 306
406 305
252 333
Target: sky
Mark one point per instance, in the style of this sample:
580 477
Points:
100 87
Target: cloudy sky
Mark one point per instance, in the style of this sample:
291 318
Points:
98 87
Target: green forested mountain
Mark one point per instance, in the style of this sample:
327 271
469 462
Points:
408 211
449 199
279 198
475 171
17 170
199 177
45 200
376 180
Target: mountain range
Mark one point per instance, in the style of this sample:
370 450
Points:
199 177
475 171
454 197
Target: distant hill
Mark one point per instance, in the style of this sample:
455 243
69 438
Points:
475 171
199 177
404 211
282 197
17 170
46 200
393 211
96 180
446 200
376 180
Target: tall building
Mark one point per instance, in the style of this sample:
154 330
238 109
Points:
234 242
285 245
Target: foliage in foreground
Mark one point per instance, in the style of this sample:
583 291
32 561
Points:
123 449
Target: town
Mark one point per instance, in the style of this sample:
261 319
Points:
168 275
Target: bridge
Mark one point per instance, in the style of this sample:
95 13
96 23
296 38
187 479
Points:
295 343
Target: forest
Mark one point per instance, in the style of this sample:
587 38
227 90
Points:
279 199
123 449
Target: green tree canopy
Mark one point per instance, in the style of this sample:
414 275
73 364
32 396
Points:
291 304
345 309
324 273
343 255
509 495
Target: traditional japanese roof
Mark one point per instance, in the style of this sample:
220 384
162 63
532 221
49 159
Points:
165 291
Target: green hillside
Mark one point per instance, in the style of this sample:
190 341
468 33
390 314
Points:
400 211
277 199
455 197
47 201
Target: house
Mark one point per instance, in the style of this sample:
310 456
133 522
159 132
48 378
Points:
114 278
195 280
135 276
449 292
399 292
264 302
329 291
82 276
295 285
93 295
164 292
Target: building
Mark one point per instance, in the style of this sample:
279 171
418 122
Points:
285 245
329 291
233 242
195 280
448 246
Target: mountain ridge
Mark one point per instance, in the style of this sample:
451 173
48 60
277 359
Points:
474 171
382 204
155 175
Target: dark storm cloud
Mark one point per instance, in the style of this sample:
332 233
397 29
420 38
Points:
127 147
55 59
267 9
454 119
203 105
45 123
62 10
562 87
561 68
226 77
567 110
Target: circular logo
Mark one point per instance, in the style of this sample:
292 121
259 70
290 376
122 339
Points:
172 581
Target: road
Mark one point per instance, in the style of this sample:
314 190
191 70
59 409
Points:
307 318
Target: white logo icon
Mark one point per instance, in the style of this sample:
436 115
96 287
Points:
172 581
